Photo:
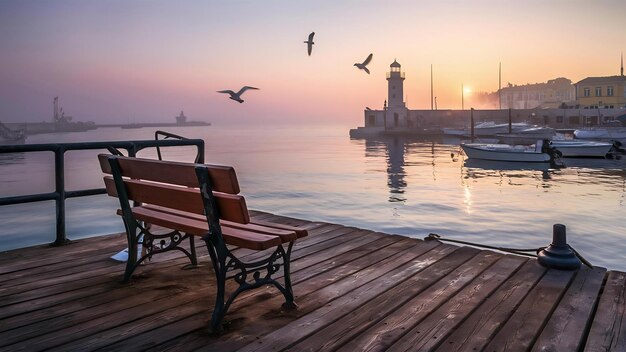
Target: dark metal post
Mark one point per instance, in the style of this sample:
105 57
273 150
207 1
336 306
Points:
385 115
59 182
510 122
472 125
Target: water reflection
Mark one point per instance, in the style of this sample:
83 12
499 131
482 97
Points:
476 168
395 169
11 158
400 153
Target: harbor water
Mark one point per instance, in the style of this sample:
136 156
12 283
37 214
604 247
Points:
398 185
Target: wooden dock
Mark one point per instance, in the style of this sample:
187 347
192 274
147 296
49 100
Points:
356 289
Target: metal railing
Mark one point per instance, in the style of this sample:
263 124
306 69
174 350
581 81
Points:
60 194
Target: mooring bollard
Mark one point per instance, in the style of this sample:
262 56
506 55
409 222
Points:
558 254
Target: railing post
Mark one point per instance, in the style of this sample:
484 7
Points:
59 182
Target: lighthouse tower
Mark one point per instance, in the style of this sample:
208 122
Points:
395 86
396 115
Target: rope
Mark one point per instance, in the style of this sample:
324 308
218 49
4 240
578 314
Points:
518 251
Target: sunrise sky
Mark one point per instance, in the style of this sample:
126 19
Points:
123 61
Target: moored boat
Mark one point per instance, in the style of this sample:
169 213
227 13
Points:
527 136
578 148
540 152
607 133
489 128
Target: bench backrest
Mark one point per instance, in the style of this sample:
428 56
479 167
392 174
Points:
175 185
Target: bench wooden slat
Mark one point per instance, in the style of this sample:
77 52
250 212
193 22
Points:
298 230
231 207
223 178
285 235
235 237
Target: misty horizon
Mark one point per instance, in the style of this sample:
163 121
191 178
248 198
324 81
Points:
127 62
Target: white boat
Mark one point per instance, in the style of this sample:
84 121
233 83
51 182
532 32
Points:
527 136
505 152
491 128
454 131
577 148
601 133
488 128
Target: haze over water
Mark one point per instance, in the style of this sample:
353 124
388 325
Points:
395 185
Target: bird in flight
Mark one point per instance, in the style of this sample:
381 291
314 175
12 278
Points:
237 96
309 43
362 66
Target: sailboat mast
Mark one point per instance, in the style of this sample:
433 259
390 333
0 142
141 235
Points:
500 85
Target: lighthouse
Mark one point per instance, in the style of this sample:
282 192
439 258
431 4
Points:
397 114
395 86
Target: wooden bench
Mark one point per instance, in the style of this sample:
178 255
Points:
198 200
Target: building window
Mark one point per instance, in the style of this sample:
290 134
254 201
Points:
393 87
371 120
393 96
574 120
586 92
598 91
609 91
559 119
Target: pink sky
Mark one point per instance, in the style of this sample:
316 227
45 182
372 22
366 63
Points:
140 61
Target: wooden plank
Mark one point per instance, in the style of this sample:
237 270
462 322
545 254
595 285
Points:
525 324
383 278
438 325
100 332
608 330
44 251
46 297
329 271
385 332
477 330
41 257
334 335
567 328
28 326
326 258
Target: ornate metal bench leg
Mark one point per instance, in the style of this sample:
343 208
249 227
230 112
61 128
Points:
131 262
192 249
219 266
289 299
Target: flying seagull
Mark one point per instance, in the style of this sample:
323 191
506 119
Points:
236 96
362 65
309 43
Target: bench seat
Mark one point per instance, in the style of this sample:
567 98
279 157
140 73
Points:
287 233
199 227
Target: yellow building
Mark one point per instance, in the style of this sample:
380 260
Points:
602 92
